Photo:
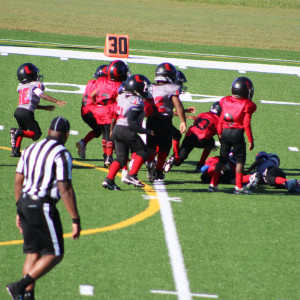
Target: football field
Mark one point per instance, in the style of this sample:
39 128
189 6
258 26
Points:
173 240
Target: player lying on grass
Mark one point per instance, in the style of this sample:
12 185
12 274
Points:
267 171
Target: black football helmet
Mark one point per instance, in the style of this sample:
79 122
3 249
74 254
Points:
138 85
28 72
166 72
180 80
216 108
118 70
101 71
242 87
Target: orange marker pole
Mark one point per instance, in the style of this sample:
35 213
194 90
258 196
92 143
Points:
116 45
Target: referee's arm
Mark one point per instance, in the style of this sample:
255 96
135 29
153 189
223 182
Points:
68 197
19 178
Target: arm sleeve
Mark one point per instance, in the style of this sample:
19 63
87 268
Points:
133 122
38 91
247 126
20 166
63 166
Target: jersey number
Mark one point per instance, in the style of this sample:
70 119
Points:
202 123
159 103
24 96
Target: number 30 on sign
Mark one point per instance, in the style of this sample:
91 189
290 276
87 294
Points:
116 45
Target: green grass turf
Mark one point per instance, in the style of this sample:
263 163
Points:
238 247
188 22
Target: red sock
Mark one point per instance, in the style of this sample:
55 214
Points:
161 159
28 134
215 178
89 137
19 141
138 162
176 148
204 156
133 155
104 146
280 180
245 179
113 170
239 180
109 148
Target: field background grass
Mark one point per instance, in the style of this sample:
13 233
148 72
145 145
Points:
236 247
190 22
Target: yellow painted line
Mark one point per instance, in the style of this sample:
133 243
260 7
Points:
152 209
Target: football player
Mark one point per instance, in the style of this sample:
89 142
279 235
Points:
105 96
200 135
30 90
235 119
267 171
176 135
166 96
129 115
87 112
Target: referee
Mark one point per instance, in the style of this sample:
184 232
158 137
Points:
43 176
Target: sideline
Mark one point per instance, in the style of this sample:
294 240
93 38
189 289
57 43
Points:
22 42
181 63
152 209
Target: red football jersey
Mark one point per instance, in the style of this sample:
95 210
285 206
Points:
87 102
234 111
205 126
106 99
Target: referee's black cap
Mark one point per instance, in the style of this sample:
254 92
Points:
60 124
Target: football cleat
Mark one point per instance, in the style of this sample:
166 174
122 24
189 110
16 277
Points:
124 174
14 134
110 184
150 170
242 191
291 185
12 137
15 292
132 179
169 164
158 176
213 188
15 152
108 161
81 148
253 181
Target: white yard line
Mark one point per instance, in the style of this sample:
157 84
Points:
209 296
181 63
174 249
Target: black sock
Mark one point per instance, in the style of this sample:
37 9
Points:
25 281
29 295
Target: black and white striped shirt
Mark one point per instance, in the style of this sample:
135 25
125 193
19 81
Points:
43 164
